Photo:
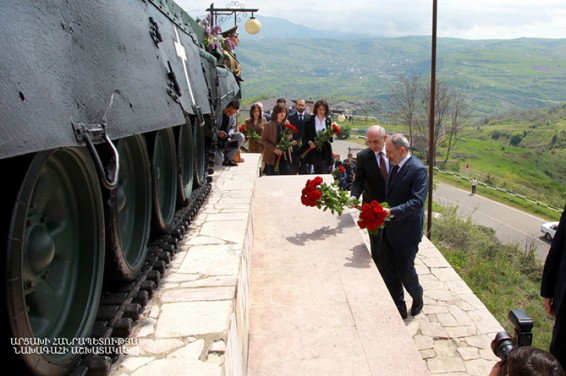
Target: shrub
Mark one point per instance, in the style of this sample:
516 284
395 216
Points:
516 139
345 131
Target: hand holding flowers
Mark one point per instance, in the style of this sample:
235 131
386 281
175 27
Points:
329 196
250 134
373 217
285 143
322 138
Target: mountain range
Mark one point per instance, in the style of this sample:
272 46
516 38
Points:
273 27
286 59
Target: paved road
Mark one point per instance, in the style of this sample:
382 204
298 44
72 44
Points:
342 147
511 225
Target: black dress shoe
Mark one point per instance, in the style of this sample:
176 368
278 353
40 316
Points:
417 306
229 162
402 311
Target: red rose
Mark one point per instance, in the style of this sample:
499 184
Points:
336 128
310 196
372 216
310 193
291 127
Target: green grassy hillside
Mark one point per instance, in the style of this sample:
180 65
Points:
535 167
497 75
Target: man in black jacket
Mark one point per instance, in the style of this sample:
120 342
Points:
371 175
553 288
298 119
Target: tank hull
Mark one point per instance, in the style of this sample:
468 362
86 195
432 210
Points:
127 64
107 123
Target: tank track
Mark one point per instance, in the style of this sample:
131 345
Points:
122 304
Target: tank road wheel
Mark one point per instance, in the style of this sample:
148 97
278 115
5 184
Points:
55 258
128 212
186 158
200 156
164 179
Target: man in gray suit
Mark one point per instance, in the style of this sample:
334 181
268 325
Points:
553 289
405 192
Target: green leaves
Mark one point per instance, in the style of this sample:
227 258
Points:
335 199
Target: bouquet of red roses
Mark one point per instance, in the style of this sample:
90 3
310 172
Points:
285 143
322 138
372 217
329 196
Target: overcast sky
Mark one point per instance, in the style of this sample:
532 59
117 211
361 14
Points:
468 19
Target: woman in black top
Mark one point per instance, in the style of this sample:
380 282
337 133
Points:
322 160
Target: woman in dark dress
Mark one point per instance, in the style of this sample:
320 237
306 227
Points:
322 160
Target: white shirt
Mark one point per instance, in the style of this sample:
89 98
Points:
319 126
384 158
404 161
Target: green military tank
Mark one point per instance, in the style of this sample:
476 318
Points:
107 124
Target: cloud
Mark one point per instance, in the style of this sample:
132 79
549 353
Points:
479 19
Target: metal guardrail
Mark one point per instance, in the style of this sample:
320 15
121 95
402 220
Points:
547 206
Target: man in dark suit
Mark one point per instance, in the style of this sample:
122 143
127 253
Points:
371 175
298 119
553 289
405 192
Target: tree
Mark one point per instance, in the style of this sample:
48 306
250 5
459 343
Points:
459 108
404 100
411 101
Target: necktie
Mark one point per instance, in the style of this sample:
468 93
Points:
382 166
394 173
301 117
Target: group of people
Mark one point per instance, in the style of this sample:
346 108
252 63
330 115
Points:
385 171
303 154
270 129
344 176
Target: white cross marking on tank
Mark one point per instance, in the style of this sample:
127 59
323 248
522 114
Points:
183 55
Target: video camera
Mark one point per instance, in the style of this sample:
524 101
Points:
503 343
